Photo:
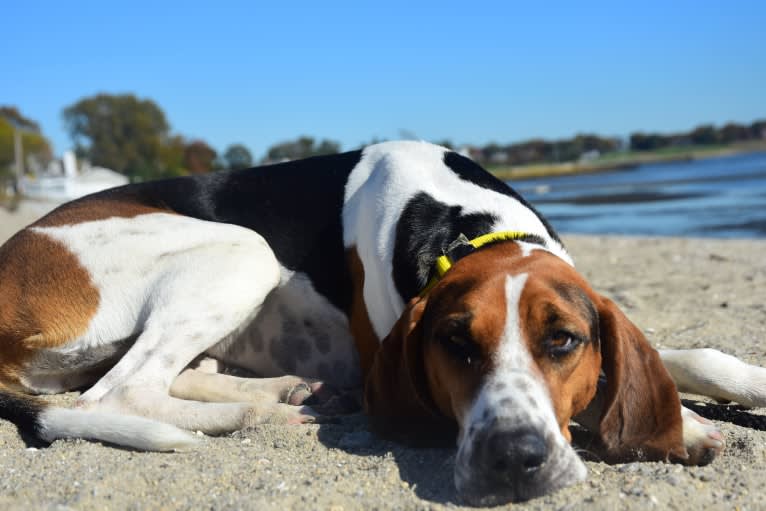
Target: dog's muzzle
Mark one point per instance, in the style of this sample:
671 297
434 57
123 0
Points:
508 463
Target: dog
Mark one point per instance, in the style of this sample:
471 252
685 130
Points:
404 268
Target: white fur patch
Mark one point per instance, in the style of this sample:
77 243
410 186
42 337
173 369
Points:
710 372
126 430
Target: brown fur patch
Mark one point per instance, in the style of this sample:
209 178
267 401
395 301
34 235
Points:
642 413
367 343
91 209
397 395
46 300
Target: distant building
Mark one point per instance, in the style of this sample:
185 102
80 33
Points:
470 151
499 157
591 155
62 181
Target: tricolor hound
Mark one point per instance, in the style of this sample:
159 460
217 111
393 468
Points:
404 267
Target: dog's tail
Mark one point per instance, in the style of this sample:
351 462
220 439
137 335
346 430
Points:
48 423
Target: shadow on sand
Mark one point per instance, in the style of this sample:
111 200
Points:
428 471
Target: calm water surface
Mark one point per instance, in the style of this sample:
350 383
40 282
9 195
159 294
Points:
719 197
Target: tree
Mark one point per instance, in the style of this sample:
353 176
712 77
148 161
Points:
121 132
648 142
12 115
758 130
704 135
237 156
302 147
733 132
327 147
489 151
199 157
32 141
172 157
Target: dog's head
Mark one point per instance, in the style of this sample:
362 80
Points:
502 353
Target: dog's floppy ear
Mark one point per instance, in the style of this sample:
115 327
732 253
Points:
641 418
397 398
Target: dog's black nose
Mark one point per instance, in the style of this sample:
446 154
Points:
515 453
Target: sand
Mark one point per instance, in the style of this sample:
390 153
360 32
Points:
22 214
681 292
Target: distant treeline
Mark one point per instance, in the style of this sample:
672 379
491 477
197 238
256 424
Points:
132 136
544 151
592 146
706 134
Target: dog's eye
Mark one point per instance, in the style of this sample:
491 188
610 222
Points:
460 348
454 336
562 343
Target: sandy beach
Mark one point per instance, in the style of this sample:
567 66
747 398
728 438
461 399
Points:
684 293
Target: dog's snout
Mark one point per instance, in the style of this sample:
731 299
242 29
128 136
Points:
511 454
510 461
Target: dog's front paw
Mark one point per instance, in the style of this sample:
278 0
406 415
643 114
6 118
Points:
324 398
279 413
85 404
299 393
702 439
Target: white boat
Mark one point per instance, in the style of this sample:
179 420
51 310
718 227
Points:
61 183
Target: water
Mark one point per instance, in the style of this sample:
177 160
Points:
719 197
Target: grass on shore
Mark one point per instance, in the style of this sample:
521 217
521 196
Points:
626 159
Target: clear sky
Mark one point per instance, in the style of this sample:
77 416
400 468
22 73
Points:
258 73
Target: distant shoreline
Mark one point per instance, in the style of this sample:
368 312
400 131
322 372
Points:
627 160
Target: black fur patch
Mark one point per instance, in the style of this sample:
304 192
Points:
469 170
424 231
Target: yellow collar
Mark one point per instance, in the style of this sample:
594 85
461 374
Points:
444 263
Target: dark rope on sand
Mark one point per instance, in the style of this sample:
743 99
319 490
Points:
733 413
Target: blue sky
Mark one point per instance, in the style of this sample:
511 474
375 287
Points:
473 72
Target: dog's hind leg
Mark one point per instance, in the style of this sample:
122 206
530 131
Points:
223 388
199 295
208 417
200 385
709 372
204 294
